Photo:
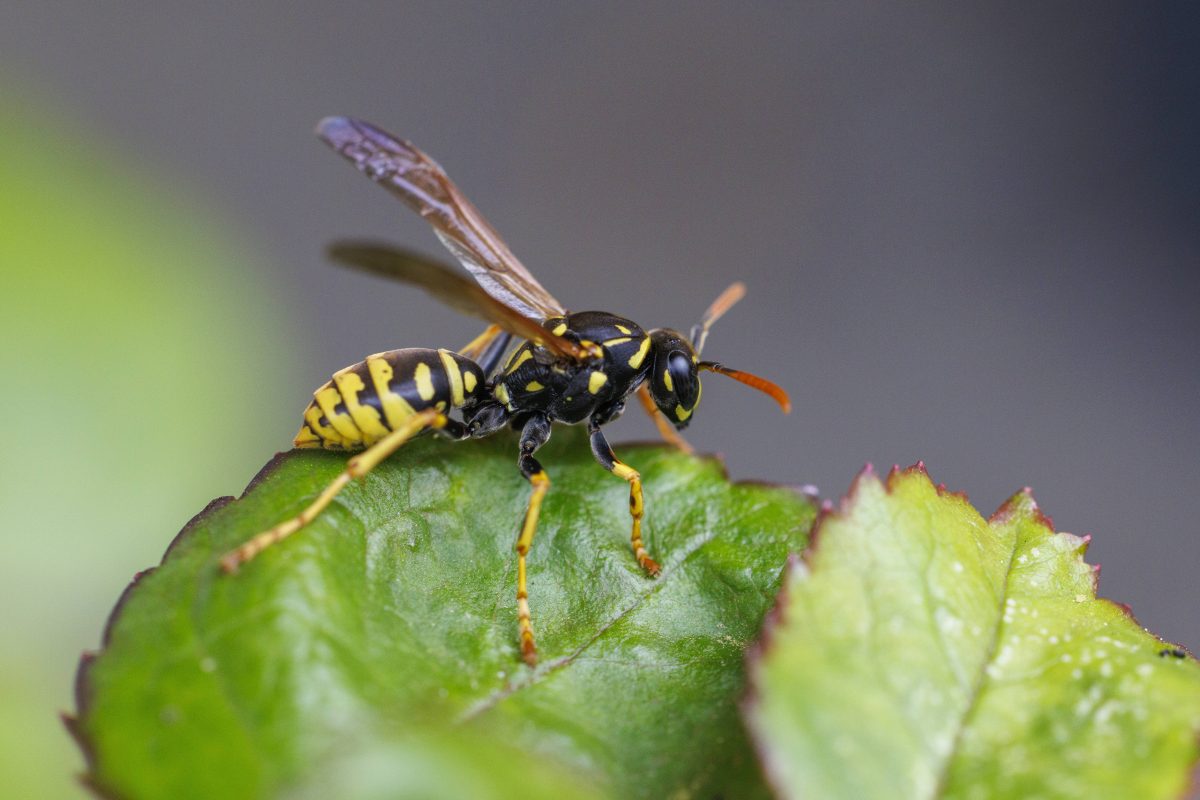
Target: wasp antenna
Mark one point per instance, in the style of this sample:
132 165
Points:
725 301
753 381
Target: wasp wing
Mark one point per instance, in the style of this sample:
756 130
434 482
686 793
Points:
424 187
452 289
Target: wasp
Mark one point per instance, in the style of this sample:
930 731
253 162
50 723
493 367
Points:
567 367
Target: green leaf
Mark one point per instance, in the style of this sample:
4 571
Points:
922 651
387 630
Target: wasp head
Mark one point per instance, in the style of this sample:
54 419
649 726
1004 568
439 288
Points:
675 373
674 377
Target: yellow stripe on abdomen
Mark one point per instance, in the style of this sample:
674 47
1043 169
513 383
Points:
350 383
306 439
423 380
455 376
327 398
330 438
395 408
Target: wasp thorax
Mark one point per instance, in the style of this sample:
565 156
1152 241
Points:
674 378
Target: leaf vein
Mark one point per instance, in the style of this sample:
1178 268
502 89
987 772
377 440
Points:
981 678
489 702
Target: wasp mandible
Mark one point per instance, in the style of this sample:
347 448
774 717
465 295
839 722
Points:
569 367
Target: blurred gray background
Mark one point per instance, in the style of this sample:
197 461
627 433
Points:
969 232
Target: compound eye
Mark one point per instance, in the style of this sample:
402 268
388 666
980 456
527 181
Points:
680 369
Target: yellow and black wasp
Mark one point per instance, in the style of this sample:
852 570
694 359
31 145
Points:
572 367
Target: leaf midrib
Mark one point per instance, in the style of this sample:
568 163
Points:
939 789
497 696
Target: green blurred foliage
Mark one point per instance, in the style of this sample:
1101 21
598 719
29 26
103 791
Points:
128 313
387 630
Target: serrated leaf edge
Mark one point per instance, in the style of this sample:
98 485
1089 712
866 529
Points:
83 678
84 690
799 567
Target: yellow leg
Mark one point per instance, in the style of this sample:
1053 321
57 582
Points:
535 434
665 429
356 467
541 484
637 507
481 342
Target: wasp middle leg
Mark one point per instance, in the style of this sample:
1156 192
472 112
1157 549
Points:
356 467
637 509
535 434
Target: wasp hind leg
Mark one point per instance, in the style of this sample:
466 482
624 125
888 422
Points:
637 509
488 348
535 434
356 467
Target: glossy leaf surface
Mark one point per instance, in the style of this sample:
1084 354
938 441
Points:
371 643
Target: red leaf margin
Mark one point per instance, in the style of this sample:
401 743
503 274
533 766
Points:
83 678
843 509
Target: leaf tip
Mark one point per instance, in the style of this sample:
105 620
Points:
71 723
865 476
86 778
920 471
1022 502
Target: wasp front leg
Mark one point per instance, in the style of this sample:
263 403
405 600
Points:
665 429
608 459
535 434
356 467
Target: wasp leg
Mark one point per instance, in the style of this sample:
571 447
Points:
608 459
356 467
535 434
488 348
665 429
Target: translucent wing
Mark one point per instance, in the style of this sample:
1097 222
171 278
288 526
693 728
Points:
452 289
424 187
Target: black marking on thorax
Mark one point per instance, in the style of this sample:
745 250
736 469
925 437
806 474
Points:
533 379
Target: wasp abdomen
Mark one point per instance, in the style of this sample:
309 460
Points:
368 400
